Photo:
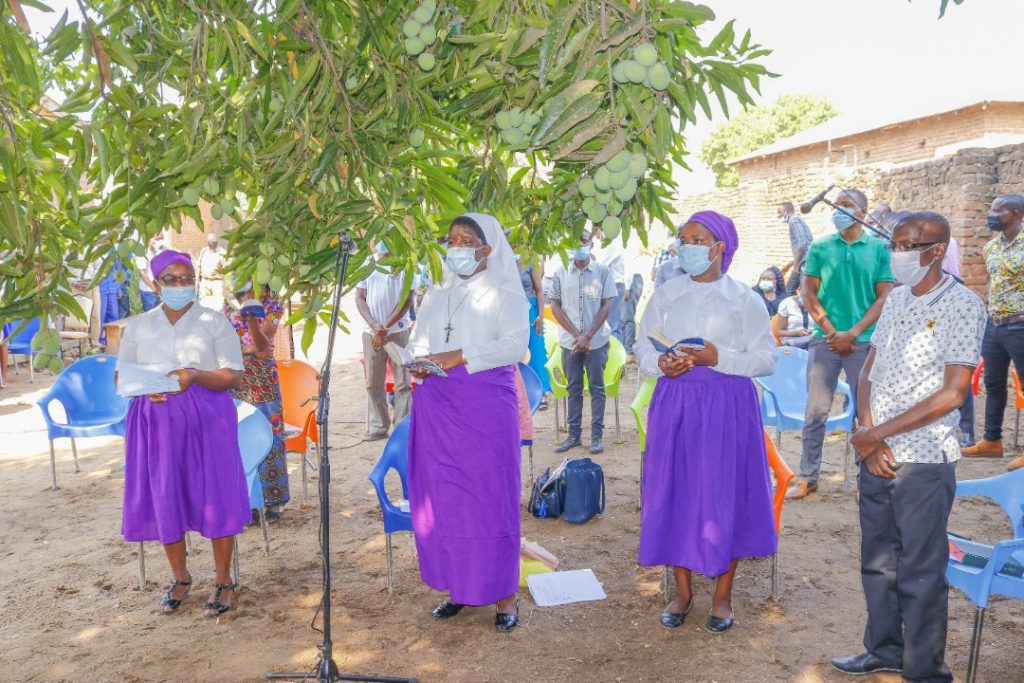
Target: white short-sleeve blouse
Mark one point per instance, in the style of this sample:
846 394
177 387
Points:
202 339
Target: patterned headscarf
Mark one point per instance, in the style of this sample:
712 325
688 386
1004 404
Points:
724 231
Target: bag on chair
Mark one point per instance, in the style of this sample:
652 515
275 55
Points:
548 494
584 491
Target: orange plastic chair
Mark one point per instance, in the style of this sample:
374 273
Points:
775 330
1018 399
300 385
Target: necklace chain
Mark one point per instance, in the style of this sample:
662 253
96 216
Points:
448 329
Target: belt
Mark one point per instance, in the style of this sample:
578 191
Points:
999 322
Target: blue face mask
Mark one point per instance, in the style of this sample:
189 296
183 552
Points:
841 219
581 253
177 298
693 258
461 260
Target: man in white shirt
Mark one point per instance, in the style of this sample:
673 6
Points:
386 313
612 256
923 353
210 274
581 298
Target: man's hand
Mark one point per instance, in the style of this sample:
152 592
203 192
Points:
379 335
707 356
874 453
582 344
841 343
673 365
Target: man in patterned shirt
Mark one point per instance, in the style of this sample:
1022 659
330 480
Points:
923 353
800 239
1004 333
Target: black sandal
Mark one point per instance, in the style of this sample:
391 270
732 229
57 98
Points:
174 603
215 605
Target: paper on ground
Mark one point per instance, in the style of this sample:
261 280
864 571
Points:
563 588
142 380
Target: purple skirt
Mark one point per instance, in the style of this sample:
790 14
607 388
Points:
464 488
706 493
183 469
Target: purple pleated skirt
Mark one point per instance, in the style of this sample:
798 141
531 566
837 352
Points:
706 492
183 469
464 485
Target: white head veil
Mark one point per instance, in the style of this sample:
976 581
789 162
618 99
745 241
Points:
501 264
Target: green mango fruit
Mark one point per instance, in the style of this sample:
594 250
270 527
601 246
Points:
411 28
266 249
41 361
503 120
429 5
646 55
351 83
532 119
212 186
619 162
423 14
626 192
619 179
586 187
282 260
603 196
190 196
261 277
37 342
414 46
611 226
426 61
614 207
588 204
659 76
601 178
638 164
428 35
597 213
227 207
417 137
276 283
119 277
516 117
634 72
123 249
619 73
217 212
55 366
513 136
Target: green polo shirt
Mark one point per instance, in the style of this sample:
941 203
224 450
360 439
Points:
848 274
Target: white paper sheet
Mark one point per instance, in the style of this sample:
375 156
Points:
563 588
142 380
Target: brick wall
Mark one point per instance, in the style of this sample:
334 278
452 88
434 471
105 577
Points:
192 237
961 187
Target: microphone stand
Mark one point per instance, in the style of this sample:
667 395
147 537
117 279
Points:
325 670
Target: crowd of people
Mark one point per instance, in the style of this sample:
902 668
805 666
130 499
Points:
892 316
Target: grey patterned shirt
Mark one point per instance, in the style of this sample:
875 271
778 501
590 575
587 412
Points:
800 236
915 339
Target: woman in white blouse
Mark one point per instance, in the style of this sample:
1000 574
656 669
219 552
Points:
706 489
183 469
464 448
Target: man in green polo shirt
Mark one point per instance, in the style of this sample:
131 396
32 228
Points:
845 282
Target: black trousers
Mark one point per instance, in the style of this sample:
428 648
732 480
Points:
904 552
1001 344
575 365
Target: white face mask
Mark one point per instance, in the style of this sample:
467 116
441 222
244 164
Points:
907 268
766 285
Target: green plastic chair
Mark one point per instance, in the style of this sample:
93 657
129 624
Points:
614 370
642 400
550 336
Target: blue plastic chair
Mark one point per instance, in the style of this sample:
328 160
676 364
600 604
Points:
534 394
21 344
396 514
91 403
980 583
255 439
784 399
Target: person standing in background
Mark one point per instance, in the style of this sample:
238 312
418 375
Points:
110 290
1004 333
532 279
380 303
800 239
210 272
845 282
612 256
669 253
629 304
581 298
672 268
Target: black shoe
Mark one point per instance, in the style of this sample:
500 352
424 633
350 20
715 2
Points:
446 610
170 605
863 664
675 619
505 622
596 446
716 625
214 607
543 404
570 442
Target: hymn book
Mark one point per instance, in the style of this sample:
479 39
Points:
401 356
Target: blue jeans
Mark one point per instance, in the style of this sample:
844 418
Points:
615 314
823 366
575 365
1000 345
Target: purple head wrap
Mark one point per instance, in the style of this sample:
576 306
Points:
724 231
167 257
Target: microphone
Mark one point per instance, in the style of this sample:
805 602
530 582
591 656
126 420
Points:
806 208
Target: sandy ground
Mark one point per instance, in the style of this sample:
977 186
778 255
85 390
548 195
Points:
72 609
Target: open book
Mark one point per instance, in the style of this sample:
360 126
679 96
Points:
401 356
665 345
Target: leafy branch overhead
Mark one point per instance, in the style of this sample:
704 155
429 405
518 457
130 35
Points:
298 119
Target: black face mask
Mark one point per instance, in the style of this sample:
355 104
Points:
994 224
